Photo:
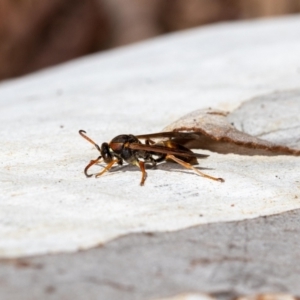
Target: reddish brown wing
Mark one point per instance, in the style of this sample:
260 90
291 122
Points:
167 134
165 150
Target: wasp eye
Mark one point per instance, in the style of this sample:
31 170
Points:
105 152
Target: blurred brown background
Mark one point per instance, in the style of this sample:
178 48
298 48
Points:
39 33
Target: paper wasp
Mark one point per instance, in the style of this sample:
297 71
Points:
129 148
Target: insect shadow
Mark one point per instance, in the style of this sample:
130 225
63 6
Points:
164 166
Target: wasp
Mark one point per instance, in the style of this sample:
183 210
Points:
129 148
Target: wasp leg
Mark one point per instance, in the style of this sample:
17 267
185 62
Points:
141 165
108 167
149 142
92 162
151 161
188 166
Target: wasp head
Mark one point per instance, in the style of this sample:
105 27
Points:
106 153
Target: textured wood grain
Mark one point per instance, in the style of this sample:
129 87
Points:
225 260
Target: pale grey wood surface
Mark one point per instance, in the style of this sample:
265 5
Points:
47 204
51 216
226 260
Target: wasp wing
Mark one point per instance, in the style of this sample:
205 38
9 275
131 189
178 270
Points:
157 135
168 134
159 149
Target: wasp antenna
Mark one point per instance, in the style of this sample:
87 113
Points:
82 133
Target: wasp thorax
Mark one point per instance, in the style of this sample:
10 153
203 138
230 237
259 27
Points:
117 143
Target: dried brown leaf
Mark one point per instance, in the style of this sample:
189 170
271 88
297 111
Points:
215 130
